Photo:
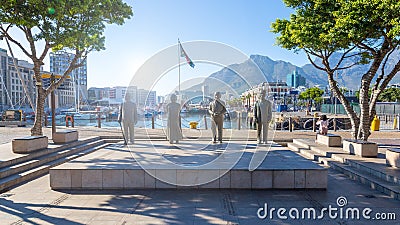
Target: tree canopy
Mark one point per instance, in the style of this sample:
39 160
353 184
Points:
311 94
74 25
361 32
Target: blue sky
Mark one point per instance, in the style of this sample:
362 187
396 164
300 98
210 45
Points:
157 24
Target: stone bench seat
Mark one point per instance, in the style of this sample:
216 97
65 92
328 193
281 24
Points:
65 136
330 140
360 148
29 144
393 157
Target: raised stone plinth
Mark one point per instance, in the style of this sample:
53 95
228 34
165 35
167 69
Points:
65 136
360 148
393 157
116 167
29 144
331 140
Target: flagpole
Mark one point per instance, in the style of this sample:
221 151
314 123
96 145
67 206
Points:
179 69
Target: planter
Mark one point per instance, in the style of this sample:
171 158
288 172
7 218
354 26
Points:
360 148
29 144
330 140
66 136
393 157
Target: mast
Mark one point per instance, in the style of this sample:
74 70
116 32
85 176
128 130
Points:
179 69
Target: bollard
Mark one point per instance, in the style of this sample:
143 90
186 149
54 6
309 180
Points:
291 124
398 121
73 122
238 115
386 119
314 125
205 122
98 120
334 124
46 122
152 122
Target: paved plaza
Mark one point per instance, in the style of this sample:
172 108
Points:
36 203
343 201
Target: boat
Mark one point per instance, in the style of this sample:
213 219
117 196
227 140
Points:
148 115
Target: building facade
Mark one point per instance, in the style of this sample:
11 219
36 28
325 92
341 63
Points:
295 80
59 63
146 98
12 92
276 91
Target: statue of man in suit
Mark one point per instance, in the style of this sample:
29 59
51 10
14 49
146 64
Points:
262 116
129 117
217 110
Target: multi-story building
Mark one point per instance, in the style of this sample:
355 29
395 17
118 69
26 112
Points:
65 93
116 95
295 80
12 91
59 63
95 94
275 91
146 98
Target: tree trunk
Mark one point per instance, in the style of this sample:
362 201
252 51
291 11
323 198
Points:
347 107
365 117
363 132
40 99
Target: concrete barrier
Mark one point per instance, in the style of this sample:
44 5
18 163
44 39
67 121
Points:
331 140
393 157
66 136
360 148
29 144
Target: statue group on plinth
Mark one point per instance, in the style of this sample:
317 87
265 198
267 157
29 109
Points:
262 113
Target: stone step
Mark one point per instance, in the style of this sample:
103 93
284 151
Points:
27 175
308 153
373 182
386 173
10 170
304 143
21 158
358 170
113 140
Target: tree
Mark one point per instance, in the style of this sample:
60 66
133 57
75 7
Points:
76 26
390 95
361 32
312 94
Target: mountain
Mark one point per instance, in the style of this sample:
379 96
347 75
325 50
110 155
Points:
228 78
351 77
240 77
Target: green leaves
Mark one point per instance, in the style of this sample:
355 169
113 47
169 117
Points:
335 25
313 93
390 95
73 24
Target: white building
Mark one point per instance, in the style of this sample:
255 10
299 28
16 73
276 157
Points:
146 98
275 91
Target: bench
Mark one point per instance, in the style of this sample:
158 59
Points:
393 157
65 136
330 140
29 144
360 148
